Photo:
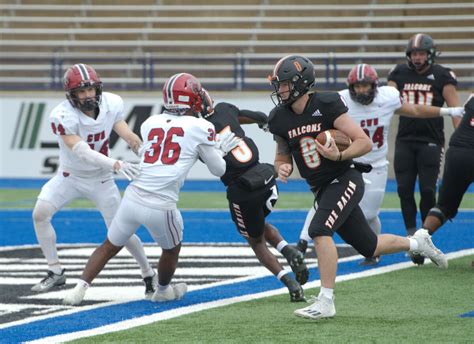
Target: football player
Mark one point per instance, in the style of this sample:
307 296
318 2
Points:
338 187
173 141
250 204
420 142
83 124
458 171
372 107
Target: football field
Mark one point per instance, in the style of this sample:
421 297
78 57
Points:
231 297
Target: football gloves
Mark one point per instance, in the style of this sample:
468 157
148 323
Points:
227 141
129 169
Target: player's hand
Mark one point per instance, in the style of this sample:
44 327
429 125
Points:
129 169
264 127
227 142
331 152
284 171
456 111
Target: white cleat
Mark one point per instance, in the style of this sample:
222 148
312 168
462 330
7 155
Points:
76 295
428 249
173 292
322 308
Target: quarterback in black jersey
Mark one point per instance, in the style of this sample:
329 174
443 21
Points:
338 187
252 193
420 142
458 171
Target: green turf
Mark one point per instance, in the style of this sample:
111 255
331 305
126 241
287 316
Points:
415 305
25 198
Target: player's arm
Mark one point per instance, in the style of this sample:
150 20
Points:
283 161
361 143
212 158
84 152
132 139
425 111
392 83
249 117
451 97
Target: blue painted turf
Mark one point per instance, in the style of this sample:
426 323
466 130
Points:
79 226
295 185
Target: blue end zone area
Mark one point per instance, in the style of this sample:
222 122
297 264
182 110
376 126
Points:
467 315
84 226
294 185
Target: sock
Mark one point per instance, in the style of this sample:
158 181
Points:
281 274
413 245
56 268
281 245
163 287
326 292
83 284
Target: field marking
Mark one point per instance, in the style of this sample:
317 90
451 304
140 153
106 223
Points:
145 320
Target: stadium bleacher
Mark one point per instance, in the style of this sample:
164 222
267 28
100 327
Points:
137 45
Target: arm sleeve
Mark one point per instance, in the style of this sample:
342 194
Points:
88 155
213 159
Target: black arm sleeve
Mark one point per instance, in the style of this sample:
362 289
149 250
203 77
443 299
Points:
258 116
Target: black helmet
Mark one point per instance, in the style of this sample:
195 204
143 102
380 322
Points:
299 71
421 42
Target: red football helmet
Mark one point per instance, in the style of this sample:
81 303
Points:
183 92
81 76
363 74
207 104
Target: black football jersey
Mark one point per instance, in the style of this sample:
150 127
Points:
463 136
226 118
300 132
424 89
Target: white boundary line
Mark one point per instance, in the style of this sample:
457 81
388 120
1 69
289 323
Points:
127 324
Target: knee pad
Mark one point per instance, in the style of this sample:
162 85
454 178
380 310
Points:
43 211
439 214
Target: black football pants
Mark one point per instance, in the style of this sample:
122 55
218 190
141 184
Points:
416 159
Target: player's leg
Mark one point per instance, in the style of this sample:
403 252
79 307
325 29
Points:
458 175
405 173
166 228
428 161
335 204
56 193
375 183
302 244
125 224
248 210
106 197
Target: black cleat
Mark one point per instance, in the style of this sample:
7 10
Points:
294 288
302 246
417 259
296 260
370 261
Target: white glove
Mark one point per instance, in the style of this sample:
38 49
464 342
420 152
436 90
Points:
129 169
227 142
452 111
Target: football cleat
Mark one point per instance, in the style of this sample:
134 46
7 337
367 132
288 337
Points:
302 246
322 308
76 295
173 292
151 285
427 249
296 260
50 281
370 261
416 258
294 288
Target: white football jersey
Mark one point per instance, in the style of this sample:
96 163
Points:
375 119
67 120
170 150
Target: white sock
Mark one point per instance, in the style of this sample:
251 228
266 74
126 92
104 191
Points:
281 244
83 284
56 268
281 274
326 292
163 287
413 245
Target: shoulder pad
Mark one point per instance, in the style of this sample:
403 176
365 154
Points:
328 97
